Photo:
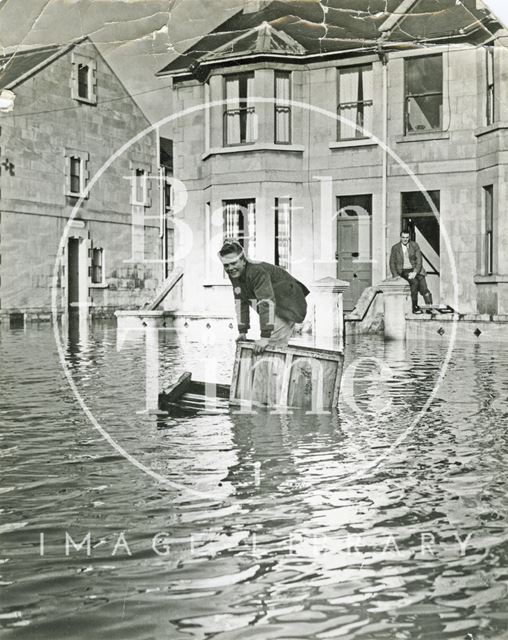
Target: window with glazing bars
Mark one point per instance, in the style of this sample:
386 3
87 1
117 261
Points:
97 273
83 81
283 232
240 223
355 102
240 122
424 94
75 175
488 199
490 88
282 115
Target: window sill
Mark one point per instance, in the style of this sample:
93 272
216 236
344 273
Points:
91 101
208 285
247 148
98 285
359 142
497 126
423 136
495 278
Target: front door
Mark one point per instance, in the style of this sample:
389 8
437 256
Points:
354 246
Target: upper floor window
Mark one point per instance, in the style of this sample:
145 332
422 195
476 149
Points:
355 102
240 122
488 205
76 172
282 107
490 88
84 82
423 93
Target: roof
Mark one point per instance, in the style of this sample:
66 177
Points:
300 29
17 66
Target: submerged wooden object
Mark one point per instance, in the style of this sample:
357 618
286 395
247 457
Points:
305 378
295 376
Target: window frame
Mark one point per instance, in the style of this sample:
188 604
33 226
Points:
83 158
243 111
490 85
248 242
78 61
365 104
488 219
93 266
277 236
408 96
282 108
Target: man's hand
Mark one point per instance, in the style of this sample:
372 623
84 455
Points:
260 345
241 337
412 275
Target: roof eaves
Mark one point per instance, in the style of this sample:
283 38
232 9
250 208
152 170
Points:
35 69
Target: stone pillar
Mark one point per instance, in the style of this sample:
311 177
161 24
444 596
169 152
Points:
397 300
328 312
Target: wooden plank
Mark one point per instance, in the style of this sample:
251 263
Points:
176 390
165 288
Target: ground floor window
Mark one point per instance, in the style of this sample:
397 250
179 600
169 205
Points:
282 218
419 219
240 223
97 265
488 205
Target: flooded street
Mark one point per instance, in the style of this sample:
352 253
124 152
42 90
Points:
377 523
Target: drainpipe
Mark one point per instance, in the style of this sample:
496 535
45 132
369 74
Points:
384 197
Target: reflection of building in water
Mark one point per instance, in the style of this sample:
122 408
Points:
319 196
71 114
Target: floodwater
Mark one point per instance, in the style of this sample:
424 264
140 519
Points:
386 521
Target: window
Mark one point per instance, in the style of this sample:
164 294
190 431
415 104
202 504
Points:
355 102
240 223
282 107
76 176
283 208
84 78
424 94
97 266
488 200
490 104
139 195
83 81
240 122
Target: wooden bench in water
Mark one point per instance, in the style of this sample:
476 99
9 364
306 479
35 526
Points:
306 378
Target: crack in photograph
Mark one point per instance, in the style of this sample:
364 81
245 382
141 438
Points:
253 303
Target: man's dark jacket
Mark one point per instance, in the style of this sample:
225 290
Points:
397 258
272 291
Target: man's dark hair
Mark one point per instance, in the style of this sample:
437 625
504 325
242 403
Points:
231 246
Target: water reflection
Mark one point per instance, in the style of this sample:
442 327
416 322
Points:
287 539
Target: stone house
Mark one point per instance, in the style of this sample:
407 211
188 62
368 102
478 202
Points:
80 213
316 136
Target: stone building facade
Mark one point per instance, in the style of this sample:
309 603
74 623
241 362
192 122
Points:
70 195
316 147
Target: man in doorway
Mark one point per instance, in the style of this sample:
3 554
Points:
406 261
278 298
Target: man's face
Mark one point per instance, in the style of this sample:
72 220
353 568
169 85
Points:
234 264
404 238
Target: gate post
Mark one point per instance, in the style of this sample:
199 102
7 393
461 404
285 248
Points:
328 311
396 299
